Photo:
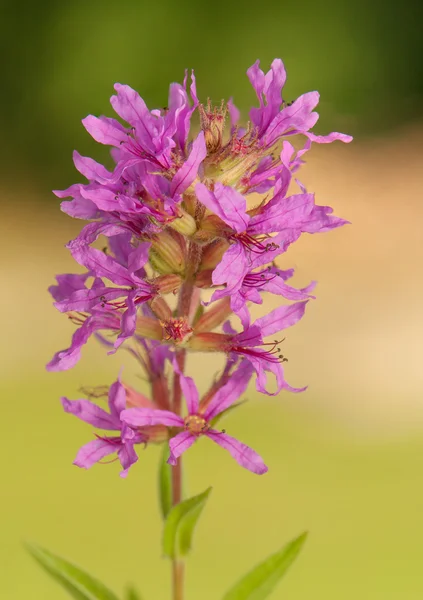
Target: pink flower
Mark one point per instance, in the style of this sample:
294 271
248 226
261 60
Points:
199 422
122 444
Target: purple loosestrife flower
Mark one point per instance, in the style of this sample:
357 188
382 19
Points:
177 217
249 234
103 446
250 345
198 421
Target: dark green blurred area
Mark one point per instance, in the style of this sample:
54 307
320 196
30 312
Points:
62 59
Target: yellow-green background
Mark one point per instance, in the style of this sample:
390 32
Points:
346 457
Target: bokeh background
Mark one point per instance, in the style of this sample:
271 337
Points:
345 457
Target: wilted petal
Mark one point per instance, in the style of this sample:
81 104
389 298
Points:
244 455
179 444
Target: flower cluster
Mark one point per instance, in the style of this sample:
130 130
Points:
180 215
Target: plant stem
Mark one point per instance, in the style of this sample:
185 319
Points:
186 297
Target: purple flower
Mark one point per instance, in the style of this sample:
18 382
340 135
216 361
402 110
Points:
266 356
199 422
99 319
135 292
274 118
103 446
250 234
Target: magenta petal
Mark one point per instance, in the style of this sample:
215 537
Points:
281 318
104 130
226 203
331 137
127 457
84 300
117 399
91 413
142 417
244 455
99 263
232 268
230 392
66 359
91 169
179 444
92 452
190 392
188 172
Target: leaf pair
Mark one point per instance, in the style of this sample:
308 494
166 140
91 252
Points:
256 585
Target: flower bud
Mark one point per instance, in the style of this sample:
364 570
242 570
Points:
204 279
208 342
214 316
168 284
212 254
149 328
167 253
213 124
184 223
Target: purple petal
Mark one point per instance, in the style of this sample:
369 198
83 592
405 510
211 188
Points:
331 137
188 172
142 417
91 413
127 457
66 359
297 118
117 399
128 321
105 131
190 392
244 455
231 391
261 366
67 284
179 444
282 213
232 268
226 203
99 263
93 452
84 300
234 114
91 169
281 318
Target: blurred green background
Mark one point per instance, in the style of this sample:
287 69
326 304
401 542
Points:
345 457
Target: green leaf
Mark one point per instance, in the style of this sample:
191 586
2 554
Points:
165 482
260 582
79 584
180 524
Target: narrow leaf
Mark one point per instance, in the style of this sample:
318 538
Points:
165 482
260 582
79 584
180 524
